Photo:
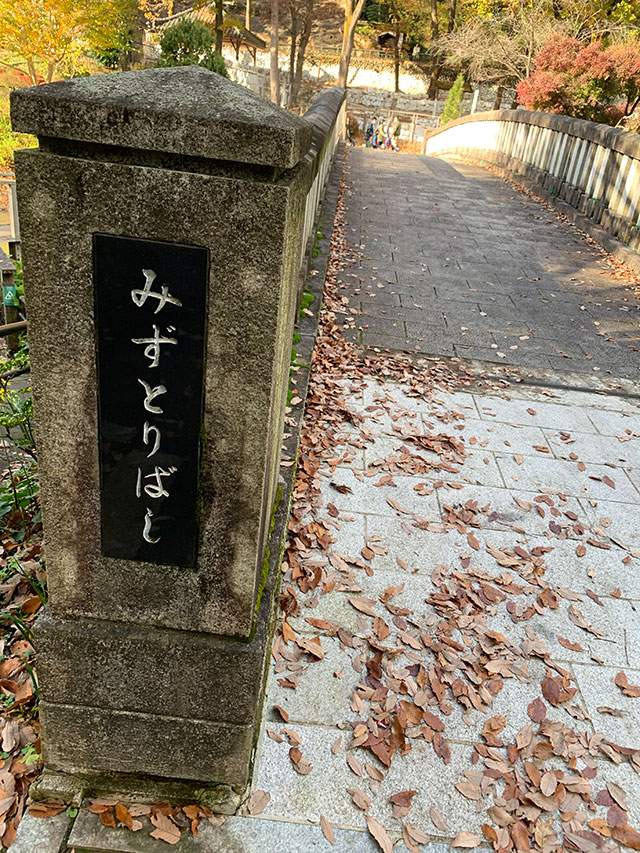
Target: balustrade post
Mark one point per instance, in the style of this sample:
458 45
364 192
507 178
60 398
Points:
161 222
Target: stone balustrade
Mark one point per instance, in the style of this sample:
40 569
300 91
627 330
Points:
327 115
592 167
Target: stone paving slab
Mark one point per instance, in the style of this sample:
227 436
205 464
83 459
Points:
596 448
320 709
337 608
620 520
323 791
236 835
564 476
543 414
44 835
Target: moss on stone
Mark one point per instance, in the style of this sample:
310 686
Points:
267 557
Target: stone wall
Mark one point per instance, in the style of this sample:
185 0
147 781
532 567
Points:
370 88
592 167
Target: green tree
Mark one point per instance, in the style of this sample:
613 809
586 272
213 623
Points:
454 99
191 43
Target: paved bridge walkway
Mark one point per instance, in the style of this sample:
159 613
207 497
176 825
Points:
456 261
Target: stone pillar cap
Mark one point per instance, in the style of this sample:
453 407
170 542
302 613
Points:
185 110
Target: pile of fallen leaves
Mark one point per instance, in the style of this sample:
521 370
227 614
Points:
164 821
167 821
22 594
415 670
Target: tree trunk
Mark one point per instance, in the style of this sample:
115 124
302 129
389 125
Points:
292 51
33 73
453 4
305 35
219 22
247 14
396 56
274 71
351 17
435 65
498 100
434 20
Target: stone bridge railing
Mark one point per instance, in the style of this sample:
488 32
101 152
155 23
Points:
592 167
327 114
190 204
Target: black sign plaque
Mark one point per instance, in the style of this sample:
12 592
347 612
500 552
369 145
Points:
150 304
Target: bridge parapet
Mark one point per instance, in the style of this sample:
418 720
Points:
593 167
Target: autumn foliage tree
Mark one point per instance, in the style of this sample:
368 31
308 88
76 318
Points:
501 48
591 81
51 35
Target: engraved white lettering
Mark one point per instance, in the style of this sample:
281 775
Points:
152 350
140 296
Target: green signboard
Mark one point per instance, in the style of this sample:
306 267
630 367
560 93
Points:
10 296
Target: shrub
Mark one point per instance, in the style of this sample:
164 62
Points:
454 99
190 43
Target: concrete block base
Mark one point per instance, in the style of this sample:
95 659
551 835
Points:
153 714
97 740
74 788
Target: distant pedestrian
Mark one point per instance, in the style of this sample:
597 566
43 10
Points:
395 134
369 132
375 139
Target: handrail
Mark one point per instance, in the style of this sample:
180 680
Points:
13 328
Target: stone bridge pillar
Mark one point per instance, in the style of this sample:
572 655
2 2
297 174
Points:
161 219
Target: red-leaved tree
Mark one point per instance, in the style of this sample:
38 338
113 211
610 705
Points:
592 81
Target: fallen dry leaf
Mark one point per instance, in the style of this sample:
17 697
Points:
258 802
466 839
618 795
438 819
379 833
165 829
46 809
631 690
327 829
574 647
360 799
